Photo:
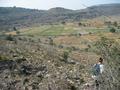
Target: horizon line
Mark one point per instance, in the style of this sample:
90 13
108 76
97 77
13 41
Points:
85 6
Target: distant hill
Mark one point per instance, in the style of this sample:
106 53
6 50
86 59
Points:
20 17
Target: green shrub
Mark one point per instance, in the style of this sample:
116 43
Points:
14 28
63 22
118 27
18 32
51 42
90 32
65 56
115 24
113 30
10 38
79 24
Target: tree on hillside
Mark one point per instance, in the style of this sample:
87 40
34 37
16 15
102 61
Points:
14 28
112 30
65 56
108 23
18 32
51 42
63 22
118 27
79 24
10 38
115 24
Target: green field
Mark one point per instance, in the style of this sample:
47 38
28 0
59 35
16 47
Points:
48 30
56 30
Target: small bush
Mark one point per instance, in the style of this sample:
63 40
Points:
18 32
14 28
90 32
118 27
115 24
63 22
112 30
10 38
60 46
65 56
51 42
79 34
79 24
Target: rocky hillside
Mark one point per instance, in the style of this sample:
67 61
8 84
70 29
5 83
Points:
25 65
21 17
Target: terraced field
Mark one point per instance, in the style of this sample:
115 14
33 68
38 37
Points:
58 30
48 30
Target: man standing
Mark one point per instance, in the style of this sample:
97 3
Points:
98 69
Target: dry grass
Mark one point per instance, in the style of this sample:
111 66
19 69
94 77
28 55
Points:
11 33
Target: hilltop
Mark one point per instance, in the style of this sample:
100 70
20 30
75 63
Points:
20 17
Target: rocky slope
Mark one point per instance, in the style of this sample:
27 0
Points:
25 65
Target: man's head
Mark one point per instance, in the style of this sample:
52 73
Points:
100 60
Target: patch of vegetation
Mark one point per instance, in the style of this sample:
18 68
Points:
112 30
48 30
10 38
65 56
3 57
17 32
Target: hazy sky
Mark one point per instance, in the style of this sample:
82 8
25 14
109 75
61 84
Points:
47 4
